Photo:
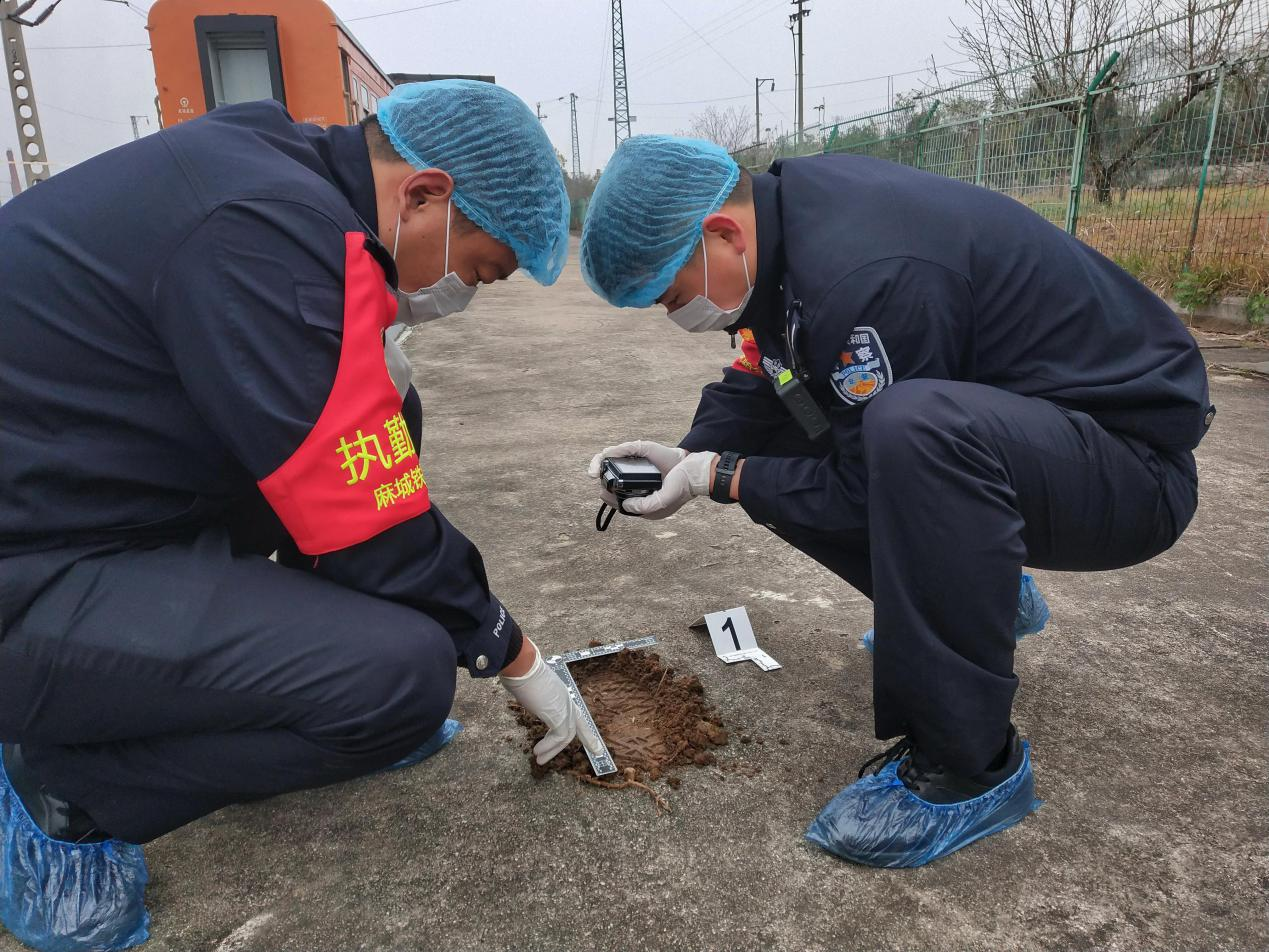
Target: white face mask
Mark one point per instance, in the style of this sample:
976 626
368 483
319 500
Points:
702 314
447 296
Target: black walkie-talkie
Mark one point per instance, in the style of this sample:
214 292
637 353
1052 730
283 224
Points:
790 383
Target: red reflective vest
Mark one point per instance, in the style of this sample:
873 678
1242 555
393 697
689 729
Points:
357 472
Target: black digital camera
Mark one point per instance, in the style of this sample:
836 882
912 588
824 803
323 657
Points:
626 477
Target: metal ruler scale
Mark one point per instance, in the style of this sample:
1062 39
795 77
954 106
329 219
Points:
600 650
601 763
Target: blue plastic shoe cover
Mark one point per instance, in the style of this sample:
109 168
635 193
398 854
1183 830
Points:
1032 616
1033 610
449 730
877 821
63 897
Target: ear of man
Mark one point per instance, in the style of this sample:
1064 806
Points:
427 185
419 185
728 221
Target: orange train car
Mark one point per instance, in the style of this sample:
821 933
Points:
210 53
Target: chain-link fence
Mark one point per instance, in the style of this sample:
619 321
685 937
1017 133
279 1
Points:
1153 146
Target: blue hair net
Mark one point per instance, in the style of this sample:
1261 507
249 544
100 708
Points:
507 177
67 897
644 220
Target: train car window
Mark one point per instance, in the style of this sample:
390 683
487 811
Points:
239 58
349 108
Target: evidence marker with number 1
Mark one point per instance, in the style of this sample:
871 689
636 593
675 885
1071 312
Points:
601 763
732 635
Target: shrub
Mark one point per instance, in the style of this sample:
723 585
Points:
1199 289
1257 308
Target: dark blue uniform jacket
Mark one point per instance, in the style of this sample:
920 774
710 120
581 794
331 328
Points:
903 274
170 325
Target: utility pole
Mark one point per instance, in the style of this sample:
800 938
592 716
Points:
541 114
21 90
136 131
757 108
820 110
577 152
15 186
795 24
621 117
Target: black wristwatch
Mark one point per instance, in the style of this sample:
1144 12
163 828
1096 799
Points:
723 475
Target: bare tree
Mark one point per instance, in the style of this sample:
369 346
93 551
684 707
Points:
731 128
1051 50
1047 48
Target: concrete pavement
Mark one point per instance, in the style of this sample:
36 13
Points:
1144 701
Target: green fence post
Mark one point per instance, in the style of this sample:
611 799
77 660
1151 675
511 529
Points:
832 137
579 206
1081 144
925 121
1207 161
982 136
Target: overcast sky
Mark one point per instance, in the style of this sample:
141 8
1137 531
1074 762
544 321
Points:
680 57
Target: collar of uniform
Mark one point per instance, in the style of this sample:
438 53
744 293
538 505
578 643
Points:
766 289
344 151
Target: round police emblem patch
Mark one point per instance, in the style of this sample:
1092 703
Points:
863 369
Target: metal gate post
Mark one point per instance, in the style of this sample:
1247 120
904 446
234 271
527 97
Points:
925 121
1081 144
982 136
1207 162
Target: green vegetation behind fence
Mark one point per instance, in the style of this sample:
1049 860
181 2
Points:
1152 147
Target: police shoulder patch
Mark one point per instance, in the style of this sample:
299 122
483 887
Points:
772 367
863 369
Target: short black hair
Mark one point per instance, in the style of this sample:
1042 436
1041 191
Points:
742 191
377 142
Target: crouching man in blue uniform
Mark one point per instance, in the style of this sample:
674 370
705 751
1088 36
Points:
936 388
192 377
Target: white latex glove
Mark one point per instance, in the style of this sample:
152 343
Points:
542 694
684 482
664 458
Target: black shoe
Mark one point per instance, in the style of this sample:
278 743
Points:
934 783
59 819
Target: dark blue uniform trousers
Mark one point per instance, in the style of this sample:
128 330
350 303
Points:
965 484
155 685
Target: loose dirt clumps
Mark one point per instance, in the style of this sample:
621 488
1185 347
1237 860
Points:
652 720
